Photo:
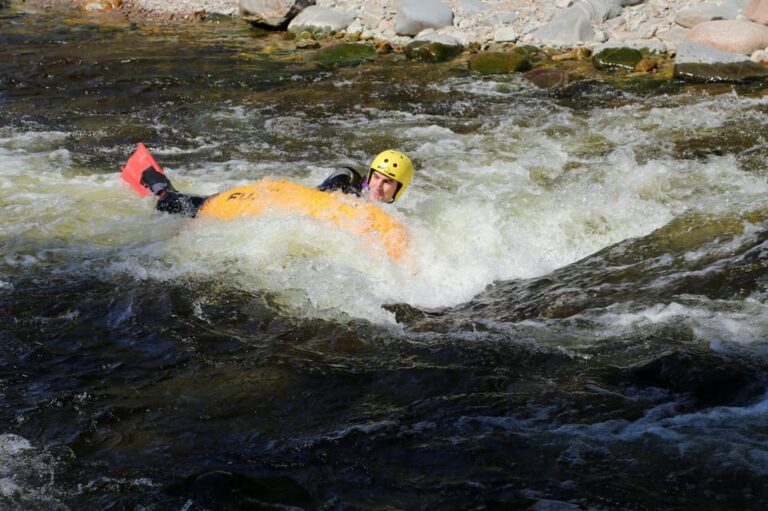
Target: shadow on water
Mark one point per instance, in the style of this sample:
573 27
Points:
188 394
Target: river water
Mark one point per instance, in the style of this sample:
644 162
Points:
580 321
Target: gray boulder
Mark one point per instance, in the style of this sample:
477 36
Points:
574 24
272 13
435 37
732 36
691 17
320 19
689 52
700 63
413 16
472 6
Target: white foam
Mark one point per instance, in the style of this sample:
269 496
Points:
538 187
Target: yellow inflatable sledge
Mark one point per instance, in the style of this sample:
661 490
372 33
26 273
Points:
335 210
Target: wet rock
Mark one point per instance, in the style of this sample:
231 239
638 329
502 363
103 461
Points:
575 54
574 24
691 17
345 54
496 62
757 11
646 65
97 6
307 44
223 490
645 47
426 51
320 20
617 58
272 13
731 36
710 379
413 16
384 47
433 47
547 77
661 80
700 63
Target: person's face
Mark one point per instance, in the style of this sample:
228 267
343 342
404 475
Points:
381 187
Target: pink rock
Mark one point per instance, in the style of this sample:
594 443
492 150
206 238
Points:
760 56
757 11
732 36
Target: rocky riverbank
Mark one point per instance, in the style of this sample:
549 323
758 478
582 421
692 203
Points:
729 34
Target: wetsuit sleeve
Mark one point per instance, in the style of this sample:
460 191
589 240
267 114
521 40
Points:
179 203
346 179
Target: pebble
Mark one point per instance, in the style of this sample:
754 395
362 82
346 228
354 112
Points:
482 20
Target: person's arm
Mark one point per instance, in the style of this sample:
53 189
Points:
346 179
179 203
168 199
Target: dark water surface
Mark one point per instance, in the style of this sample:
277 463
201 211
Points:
581 323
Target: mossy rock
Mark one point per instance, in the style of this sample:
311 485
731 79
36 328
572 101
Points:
617 58
728 72
650 83
345 54
431 51
496 62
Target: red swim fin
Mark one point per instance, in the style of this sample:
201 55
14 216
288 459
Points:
140 160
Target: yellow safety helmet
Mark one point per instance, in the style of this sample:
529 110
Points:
395 165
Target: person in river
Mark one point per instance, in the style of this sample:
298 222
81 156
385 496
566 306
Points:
387 178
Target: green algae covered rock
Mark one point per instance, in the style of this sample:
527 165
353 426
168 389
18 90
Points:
497 62
735 72
431 51
617 58
345 54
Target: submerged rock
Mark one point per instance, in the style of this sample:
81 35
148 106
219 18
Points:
220 489
320 20
497 62
345 54
413 16
617 58
731 36
272 13
547 77
700 63
710 379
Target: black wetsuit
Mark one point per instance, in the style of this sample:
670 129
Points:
346 179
